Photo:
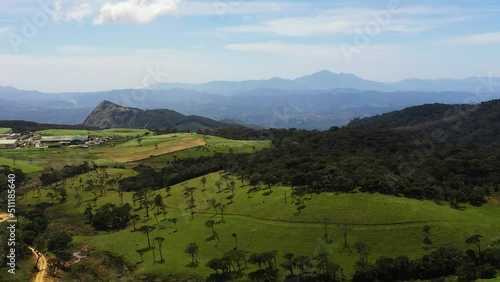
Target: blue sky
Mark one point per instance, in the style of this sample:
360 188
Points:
67 45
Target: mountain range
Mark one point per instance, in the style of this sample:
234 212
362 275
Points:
316 101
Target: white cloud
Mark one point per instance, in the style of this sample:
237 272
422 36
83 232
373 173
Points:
80 12
475 39
223 7
135 11
350 20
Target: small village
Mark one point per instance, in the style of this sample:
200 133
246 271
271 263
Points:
42 142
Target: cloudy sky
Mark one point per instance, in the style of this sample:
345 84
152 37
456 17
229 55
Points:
68 45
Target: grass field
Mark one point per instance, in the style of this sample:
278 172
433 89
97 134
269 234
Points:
4 130
390 225
151 146
23 165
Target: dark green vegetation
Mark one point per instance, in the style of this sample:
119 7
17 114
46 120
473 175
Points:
108 114
362 204
22 126
463 125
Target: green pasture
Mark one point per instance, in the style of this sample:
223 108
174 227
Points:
262 220
4 130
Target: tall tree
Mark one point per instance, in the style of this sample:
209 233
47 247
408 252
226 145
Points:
192 249
475 240
146 229
346 229
174 221
363 251
160 241
135 217
210 224
203 181
426 229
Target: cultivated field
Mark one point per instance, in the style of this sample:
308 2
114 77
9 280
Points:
4 130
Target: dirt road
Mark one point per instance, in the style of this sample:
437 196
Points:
4 217
41 275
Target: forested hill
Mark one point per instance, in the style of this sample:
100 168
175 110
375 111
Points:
22 126
108 114
460 124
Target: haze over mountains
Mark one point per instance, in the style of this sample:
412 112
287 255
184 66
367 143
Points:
316 101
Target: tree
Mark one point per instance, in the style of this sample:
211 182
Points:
346 229
221 209
146 229
141 253
192 249
59 241
139 140
476 240
174 221
426 229
134 218
289 263
51 196
322 259
160 241
218 183
363 251
168 189
213 203
203 181
158 203
235 236
326 222
210 224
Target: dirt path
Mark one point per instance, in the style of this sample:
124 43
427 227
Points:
4 217
41 275
322 222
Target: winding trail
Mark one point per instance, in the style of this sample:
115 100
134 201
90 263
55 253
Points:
41 275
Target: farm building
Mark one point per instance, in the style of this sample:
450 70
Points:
9 144
64 140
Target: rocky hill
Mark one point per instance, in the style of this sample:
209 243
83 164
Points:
110 115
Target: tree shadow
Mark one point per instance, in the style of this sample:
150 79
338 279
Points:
267 193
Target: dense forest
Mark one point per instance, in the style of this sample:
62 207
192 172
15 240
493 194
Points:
462 125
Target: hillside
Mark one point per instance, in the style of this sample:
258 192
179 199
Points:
110 115
24 126
463 124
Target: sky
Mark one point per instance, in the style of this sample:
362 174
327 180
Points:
91 45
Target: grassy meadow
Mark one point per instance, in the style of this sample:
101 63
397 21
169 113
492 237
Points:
4 130
262 220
